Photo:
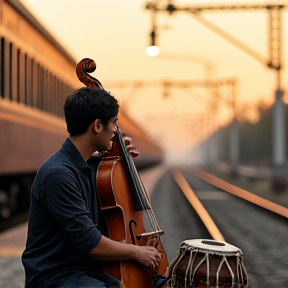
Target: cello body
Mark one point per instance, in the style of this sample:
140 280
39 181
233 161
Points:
125 205
113 207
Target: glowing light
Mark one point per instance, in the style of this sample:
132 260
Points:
152 51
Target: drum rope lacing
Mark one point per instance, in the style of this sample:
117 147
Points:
241 276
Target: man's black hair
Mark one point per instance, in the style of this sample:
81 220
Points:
85 105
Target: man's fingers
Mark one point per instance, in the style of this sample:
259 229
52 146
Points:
127 140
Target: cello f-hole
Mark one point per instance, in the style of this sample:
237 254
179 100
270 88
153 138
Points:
131 231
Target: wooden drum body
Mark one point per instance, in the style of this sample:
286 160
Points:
209 262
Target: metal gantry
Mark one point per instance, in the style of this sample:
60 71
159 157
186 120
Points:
214 87
273 61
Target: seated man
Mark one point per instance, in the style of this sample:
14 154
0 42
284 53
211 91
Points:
65 245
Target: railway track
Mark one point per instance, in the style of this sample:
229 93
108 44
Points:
260 233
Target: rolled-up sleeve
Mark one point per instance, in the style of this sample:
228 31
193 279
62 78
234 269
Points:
66 203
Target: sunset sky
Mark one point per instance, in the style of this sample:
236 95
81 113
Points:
116 33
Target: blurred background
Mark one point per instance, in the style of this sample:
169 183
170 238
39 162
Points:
214 68
213 94
202 87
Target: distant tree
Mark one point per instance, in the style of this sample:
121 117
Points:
255 138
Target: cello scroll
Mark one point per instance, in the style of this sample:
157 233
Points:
84 67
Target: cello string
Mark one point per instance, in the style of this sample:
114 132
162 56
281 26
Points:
143 203
153 217
142 189
147 198
138 183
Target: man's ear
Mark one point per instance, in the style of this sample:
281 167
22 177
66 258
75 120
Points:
97 125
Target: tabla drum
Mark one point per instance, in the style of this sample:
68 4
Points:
207 263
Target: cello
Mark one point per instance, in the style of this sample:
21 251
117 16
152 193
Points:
124 203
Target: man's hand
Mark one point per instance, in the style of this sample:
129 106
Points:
149 257
130 147
110 250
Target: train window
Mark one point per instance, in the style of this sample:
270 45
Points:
32 83
5 71
13 72
50 92
62 90
2 68
54 95
27 79
40 87
10 71
47 92
57 97
18 76
45 106
21 89
44 90
35 83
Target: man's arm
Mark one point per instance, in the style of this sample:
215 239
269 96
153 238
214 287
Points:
110 250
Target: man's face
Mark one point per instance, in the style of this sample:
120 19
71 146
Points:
106 134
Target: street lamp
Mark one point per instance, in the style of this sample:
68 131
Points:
153 49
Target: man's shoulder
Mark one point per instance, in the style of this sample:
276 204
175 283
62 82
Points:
57 164
56 161
56 169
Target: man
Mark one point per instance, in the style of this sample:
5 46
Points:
65 247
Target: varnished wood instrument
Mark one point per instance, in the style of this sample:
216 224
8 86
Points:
125 203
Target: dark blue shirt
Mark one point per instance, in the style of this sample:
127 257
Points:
63 217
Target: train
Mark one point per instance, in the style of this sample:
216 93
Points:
36 75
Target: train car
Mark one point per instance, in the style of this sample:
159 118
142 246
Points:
36 74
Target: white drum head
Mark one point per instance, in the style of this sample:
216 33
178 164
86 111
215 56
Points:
206 245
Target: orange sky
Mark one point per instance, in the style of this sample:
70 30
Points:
116 33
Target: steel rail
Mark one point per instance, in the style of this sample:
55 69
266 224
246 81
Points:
198 207
239 192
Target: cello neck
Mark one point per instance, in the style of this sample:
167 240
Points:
140 196
141 202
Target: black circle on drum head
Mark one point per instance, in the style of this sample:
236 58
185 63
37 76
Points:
208 242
